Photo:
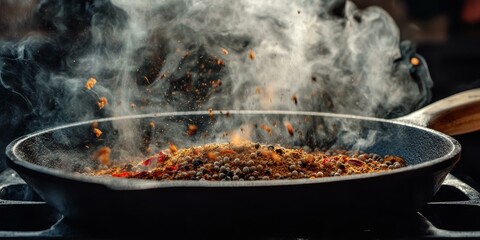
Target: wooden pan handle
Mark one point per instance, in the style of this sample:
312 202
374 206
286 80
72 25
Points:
457 114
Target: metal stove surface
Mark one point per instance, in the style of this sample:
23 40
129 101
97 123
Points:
453 213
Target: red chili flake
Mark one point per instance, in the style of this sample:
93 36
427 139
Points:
355 162
161 157
122 174
300 150
140 174
171 168
148 161
157 174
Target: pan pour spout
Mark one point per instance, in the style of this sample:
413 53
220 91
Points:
457 114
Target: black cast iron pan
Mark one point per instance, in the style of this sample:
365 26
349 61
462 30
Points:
48 161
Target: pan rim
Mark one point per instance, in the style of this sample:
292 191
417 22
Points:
139 184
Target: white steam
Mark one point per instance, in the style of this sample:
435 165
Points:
351 58
169 55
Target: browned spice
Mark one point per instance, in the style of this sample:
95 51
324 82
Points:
173 148
102 102
251 55
192 129
295 99
289 127
224 51
251 161
210 113
415 61
103 155
97 132
90 83
266 128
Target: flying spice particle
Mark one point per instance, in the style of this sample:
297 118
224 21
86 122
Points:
224 51
97 132
173 148
258 90
102 102
415 61
294 99
210 113
103 155
251 55
266 128
289 127
90 83
151 124
216 84
192 129
314 78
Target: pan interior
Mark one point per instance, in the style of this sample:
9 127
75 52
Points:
72 148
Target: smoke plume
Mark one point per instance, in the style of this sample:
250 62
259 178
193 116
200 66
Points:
184 55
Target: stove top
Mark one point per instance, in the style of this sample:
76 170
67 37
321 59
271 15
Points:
453 213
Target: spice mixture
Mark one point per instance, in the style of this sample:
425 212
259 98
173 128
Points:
251 161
